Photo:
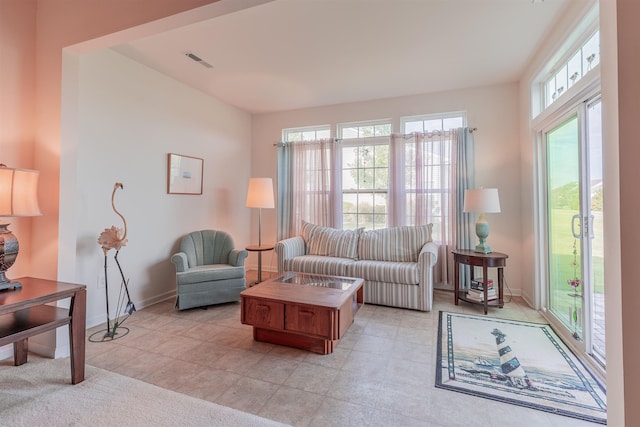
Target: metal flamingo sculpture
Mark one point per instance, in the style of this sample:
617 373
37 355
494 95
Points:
115 238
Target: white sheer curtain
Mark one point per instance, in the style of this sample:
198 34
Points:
307 178
438 167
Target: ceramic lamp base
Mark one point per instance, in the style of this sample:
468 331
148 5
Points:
483 248
482 231
8 253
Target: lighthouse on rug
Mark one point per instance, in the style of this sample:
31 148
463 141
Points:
509 363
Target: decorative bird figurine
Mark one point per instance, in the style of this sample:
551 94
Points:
114 237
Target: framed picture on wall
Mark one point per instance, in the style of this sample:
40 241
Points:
184 174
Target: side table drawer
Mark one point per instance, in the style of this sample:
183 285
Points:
263 314
468 260
309 320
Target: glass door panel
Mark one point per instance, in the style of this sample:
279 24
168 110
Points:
574 228
564 224
596 231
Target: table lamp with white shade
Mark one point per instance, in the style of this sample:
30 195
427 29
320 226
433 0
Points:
18 197
482 201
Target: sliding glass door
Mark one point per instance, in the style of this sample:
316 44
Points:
573 225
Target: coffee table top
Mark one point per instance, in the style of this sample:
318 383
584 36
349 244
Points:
304 288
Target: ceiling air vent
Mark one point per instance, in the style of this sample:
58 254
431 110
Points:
199 60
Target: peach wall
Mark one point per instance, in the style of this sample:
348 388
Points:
17 105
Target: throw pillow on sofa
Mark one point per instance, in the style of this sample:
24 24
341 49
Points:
327 241
306 231
397 244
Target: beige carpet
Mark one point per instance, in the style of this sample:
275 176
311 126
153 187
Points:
40 393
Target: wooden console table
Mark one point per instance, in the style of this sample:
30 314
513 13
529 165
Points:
478 259
24 312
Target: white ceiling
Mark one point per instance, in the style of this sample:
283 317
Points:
291 54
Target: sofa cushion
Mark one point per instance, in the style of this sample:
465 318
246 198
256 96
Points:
399 244
318 265
385 271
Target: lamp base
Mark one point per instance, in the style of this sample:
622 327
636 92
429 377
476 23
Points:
8 253
6 283
482 231
483 248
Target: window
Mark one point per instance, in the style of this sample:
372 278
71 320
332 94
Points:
433 122
355 181
434 160
365 174
569 72
312 133
371 178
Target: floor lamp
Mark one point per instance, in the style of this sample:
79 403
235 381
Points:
260 195
18 197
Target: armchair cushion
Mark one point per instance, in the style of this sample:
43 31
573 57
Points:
204 273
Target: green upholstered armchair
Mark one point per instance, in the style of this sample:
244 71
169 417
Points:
208 269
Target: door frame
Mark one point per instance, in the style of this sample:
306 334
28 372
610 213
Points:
577 105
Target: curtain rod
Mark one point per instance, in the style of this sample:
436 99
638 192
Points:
283 143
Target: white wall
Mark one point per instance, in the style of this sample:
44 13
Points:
493 110
128 117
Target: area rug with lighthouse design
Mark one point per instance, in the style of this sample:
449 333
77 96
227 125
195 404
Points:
516 362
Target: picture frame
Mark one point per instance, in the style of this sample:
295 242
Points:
184 174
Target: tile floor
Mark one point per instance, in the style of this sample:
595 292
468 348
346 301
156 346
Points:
382 373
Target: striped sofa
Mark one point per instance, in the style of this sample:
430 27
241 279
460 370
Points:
396 263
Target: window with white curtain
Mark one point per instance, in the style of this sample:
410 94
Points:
365 174
361 172
373 178
435 162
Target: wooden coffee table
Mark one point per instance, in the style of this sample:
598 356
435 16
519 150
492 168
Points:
306 311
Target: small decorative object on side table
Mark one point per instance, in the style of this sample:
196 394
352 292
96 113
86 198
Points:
259 249
477 259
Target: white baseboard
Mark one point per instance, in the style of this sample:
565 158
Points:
269 268
62 346
98 319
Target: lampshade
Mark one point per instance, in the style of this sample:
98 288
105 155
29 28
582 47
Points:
483 200
18 197
260 193
18 192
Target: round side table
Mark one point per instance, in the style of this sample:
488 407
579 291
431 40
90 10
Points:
259 249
